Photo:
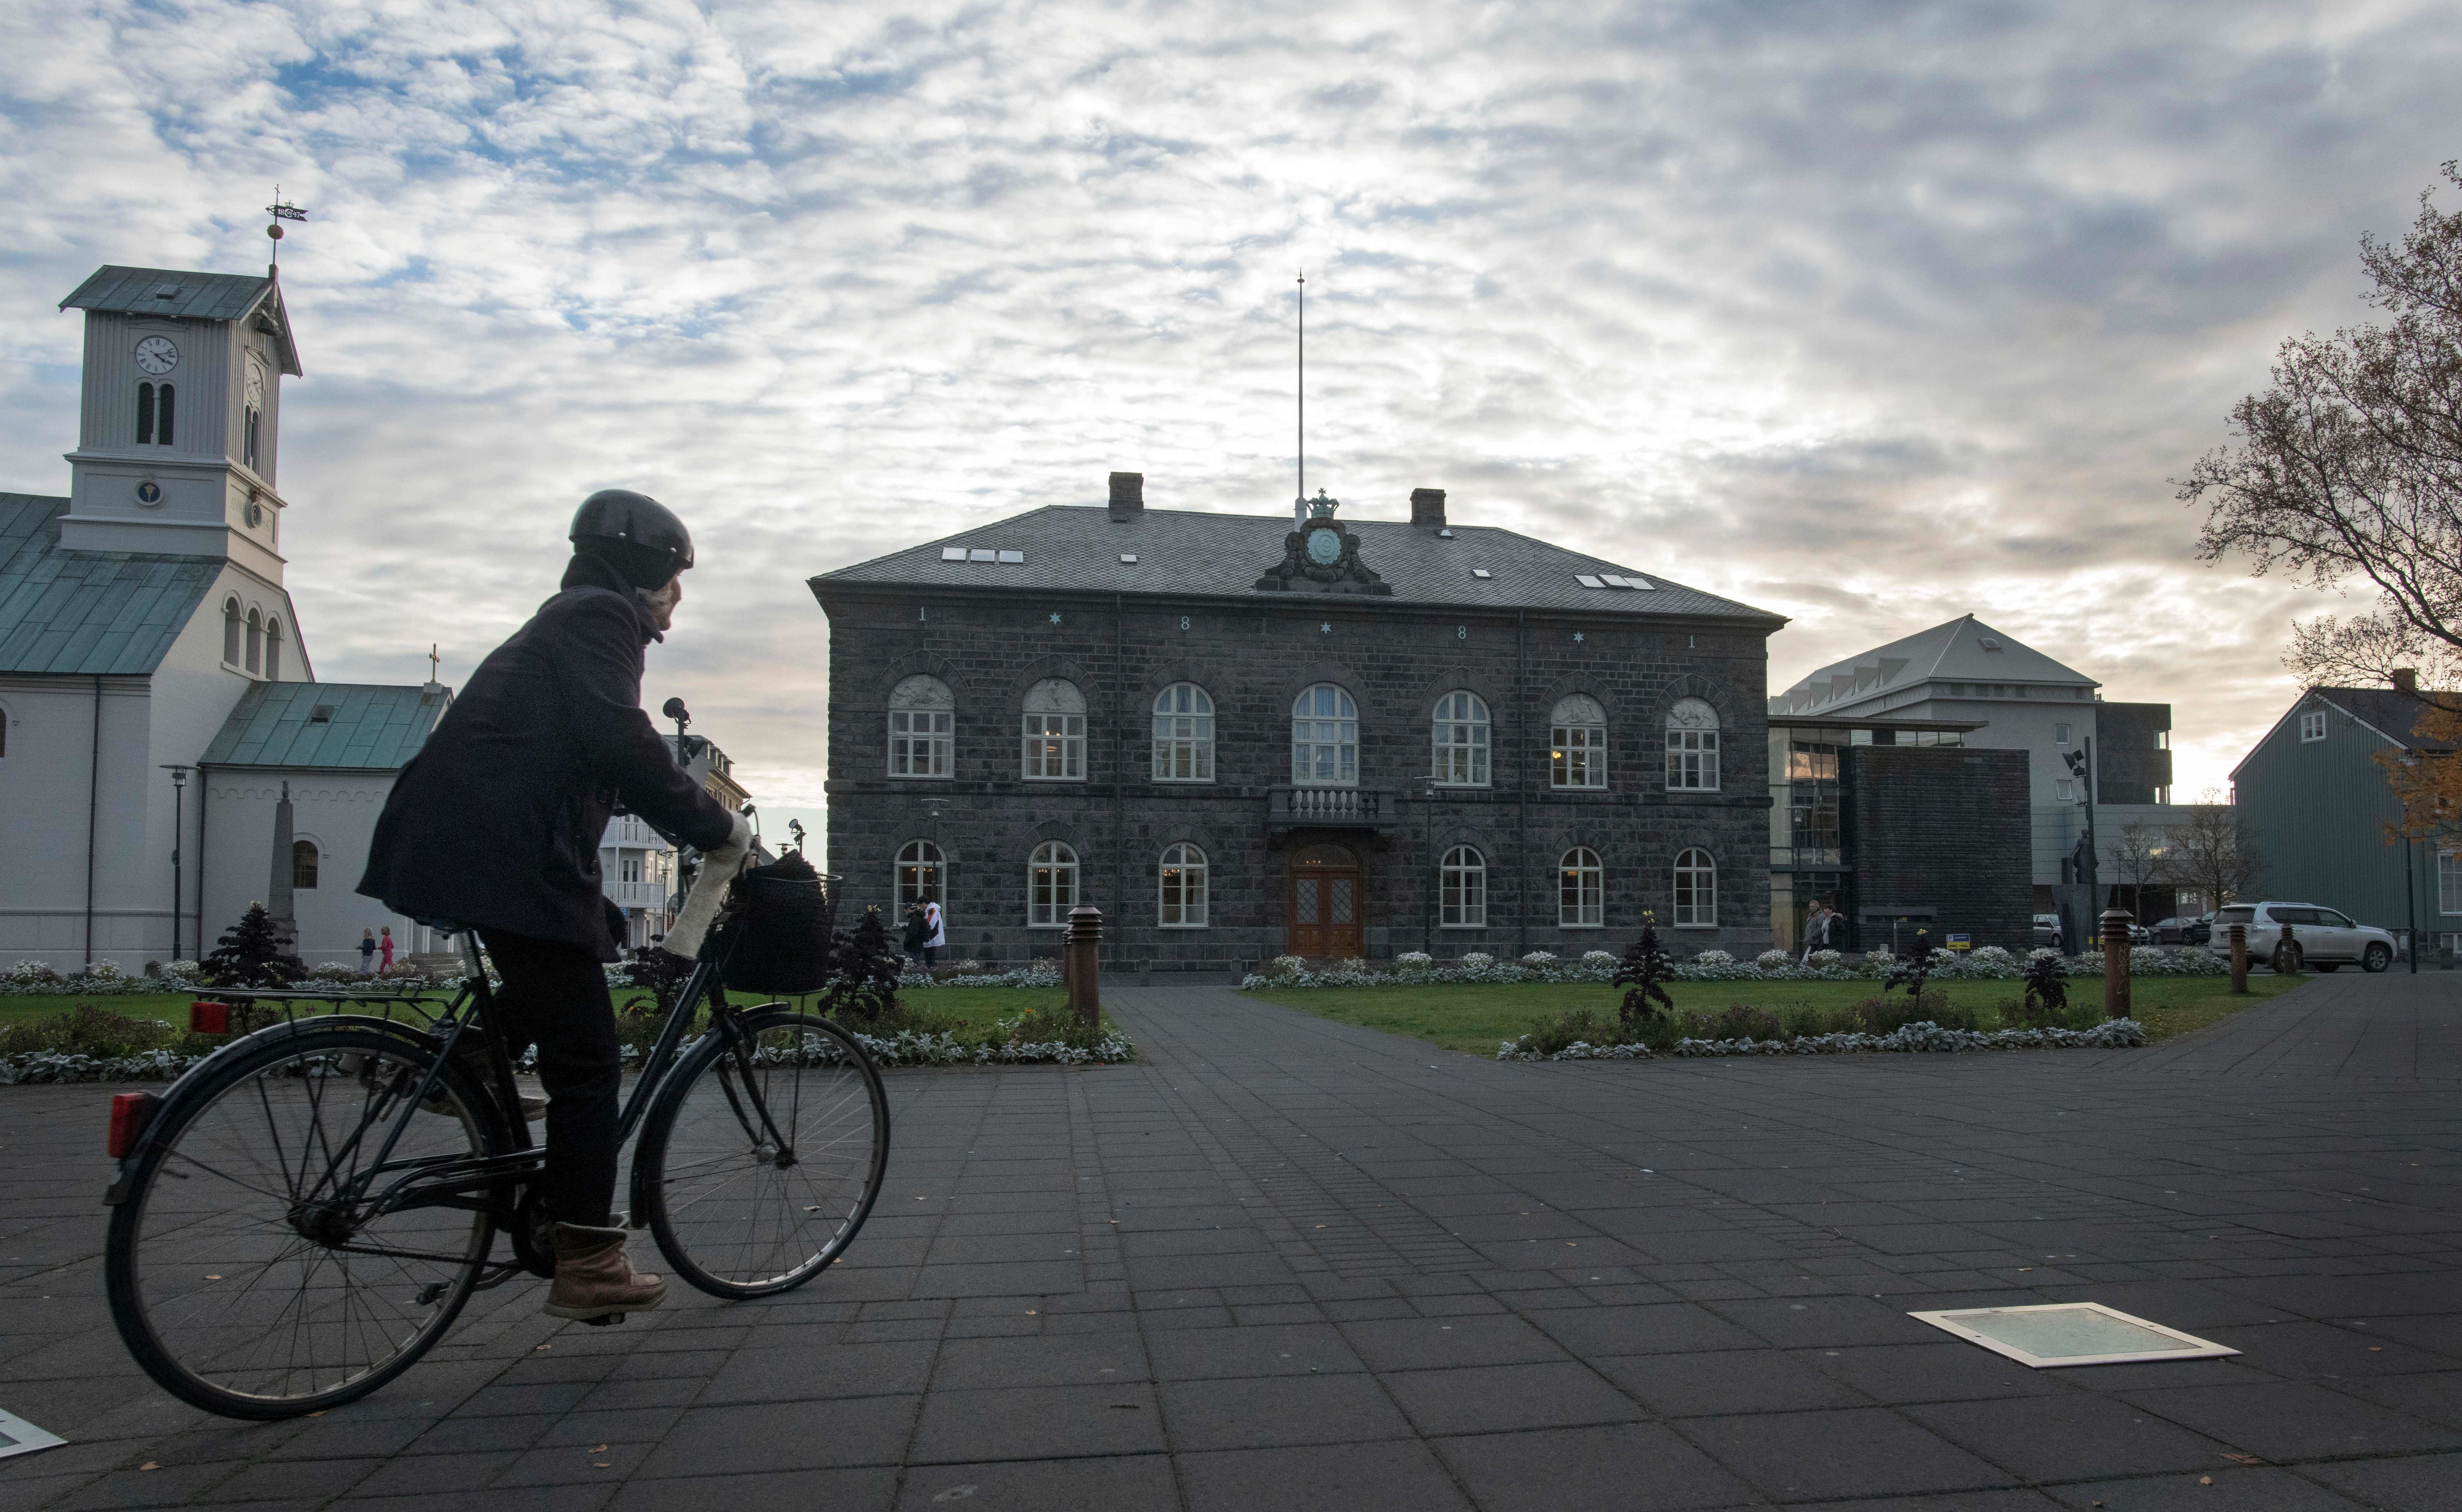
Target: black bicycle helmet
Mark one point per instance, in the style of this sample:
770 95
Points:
638 535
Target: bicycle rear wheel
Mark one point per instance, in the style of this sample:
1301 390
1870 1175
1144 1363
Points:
239 1275
763 1154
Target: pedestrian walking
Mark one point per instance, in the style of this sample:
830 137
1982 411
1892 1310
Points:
912 932
936 935
1816 929
367 952
385 949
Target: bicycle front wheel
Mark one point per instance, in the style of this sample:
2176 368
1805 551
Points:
247 1270
763 1154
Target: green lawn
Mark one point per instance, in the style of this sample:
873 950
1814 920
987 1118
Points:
1473 1018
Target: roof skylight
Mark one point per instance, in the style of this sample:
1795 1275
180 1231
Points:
1586 581
979 554
1481 571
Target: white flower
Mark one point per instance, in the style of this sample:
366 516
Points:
1540 959
1713 957
1414 961
1477 961
1771 959
1598 958
1823 960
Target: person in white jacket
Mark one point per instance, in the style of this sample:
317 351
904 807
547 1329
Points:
936 934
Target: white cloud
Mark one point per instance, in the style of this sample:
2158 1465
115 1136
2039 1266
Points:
1872 315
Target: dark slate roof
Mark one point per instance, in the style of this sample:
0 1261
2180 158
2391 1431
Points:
2388 713
182 295
365 727
1182 553
87 612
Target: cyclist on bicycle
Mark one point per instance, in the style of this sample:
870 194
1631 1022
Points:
495 825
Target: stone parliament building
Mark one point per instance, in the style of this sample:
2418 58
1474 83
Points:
1244 736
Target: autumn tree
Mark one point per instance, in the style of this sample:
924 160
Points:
2348 473
2208 852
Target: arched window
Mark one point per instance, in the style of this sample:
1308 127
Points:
1577 749
1580 890
921 714
1696 888
231 632
1693 747
1461 741
255 641
918 873
145 414
303 864
163 407
1050 886
1183 734
1463 886
274 649
1055 738
1325 737
1183 900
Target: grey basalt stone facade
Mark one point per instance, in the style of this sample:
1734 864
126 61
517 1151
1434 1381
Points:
1121 603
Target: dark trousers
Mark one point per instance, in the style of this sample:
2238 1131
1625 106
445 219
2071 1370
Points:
554 997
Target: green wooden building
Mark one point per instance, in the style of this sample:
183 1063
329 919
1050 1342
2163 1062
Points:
2313 801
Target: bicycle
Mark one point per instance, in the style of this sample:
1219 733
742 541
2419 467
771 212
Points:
303 1215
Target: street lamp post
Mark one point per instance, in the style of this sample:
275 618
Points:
178 828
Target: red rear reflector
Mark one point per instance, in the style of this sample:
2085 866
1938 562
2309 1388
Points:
209 1018
130 1114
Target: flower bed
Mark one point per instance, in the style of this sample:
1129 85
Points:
1989 964
1925 1038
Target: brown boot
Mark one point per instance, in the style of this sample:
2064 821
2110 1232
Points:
593 1278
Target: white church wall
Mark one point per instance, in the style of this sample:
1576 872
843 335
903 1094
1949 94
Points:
46 781
336 811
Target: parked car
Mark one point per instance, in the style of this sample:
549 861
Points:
2327 940
2047 929
2185 929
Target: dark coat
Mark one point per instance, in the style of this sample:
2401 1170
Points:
496 821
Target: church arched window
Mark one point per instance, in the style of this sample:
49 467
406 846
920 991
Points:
1183 734
918 873
274 650
1325 737
1577 749
230 632
1459 741
920 714
1054 734
145 414
303 865
255 641
1693 747
1050 886
154 412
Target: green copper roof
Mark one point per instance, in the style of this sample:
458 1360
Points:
87 612
356 725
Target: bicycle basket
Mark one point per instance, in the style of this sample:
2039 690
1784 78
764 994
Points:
780 936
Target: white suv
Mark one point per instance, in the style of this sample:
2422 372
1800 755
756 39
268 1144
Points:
2327 940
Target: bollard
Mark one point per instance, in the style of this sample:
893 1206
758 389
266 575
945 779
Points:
2239 959
2286 955
1085 956
2115 963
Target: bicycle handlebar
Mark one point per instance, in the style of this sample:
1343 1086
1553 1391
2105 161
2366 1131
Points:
718 868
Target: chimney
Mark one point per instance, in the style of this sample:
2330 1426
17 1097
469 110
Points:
1428 507
2406 681
1128 494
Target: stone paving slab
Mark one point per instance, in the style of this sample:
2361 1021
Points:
1284 1262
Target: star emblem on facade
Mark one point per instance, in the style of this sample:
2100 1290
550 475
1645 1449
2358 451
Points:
1577 638
1055 619
1327 628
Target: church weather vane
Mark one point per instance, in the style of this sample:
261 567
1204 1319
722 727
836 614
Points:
281 209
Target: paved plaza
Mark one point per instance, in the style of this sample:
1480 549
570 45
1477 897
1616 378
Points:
1285 1263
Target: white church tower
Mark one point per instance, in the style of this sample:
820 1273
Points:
181 419
159 716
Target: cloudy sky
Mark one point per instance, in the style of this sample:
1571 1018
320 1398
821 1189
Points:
1869 314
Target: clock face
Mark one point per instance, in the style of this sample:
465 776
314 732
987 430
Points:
1323 546
255 387
157 354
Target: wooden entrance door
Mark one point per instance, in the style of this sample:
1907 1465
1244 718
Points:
1328 903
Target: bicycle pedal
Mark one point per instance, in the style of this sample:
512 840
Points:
605 1319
